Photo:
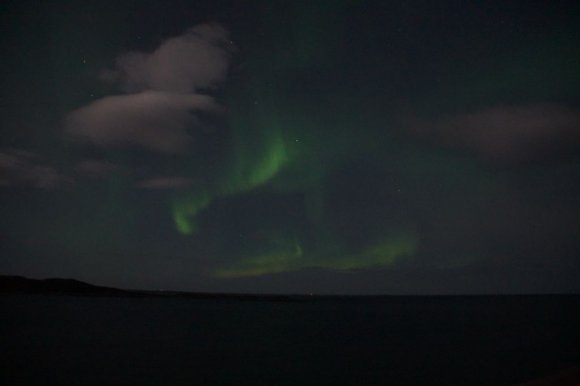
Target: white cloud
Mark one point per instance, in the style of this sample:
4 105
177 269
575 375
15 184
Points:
197 59
21 168
155 120
507 133
158 113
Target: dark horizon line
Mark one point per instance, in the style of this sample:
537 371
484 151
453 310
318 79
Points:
70 286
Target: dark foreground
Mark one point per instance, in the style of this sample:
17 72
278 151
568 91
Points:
57 339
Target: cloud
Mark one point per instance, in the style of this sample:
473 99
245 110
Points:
21 168
507 134
164 183
155 120
197 59
158 111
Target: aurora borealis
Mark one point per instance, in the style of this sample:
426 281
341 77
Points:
293 146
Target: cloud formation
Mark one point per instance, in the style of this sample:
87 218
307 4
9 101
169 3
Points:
159 110
507 133
21 168
197 59
155 120
158 183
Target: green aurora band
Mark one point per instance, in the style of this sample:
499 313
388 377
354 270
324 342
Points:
283 144
383 254
255 161
185 208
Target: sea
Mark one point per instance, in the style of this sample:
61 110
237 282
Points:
391 340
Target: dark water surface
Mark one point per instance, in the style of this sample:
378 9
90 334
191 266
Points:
487 340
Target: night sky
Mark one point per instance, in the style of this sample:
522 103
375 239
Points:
343 147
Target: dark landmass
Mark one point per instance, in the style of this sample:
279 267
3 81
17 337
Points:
58 286
19 284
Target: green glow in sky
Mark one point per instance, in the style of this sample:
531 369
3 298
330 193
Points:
256 160
330 139
258 155
184 209
384 253
281 145
267 263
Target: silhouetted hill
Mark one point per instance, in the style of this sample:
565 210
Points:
19 284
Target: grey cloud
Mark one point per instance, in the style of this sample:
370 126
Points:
164 183
155 120
507 133
197 59
158 114
21 168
